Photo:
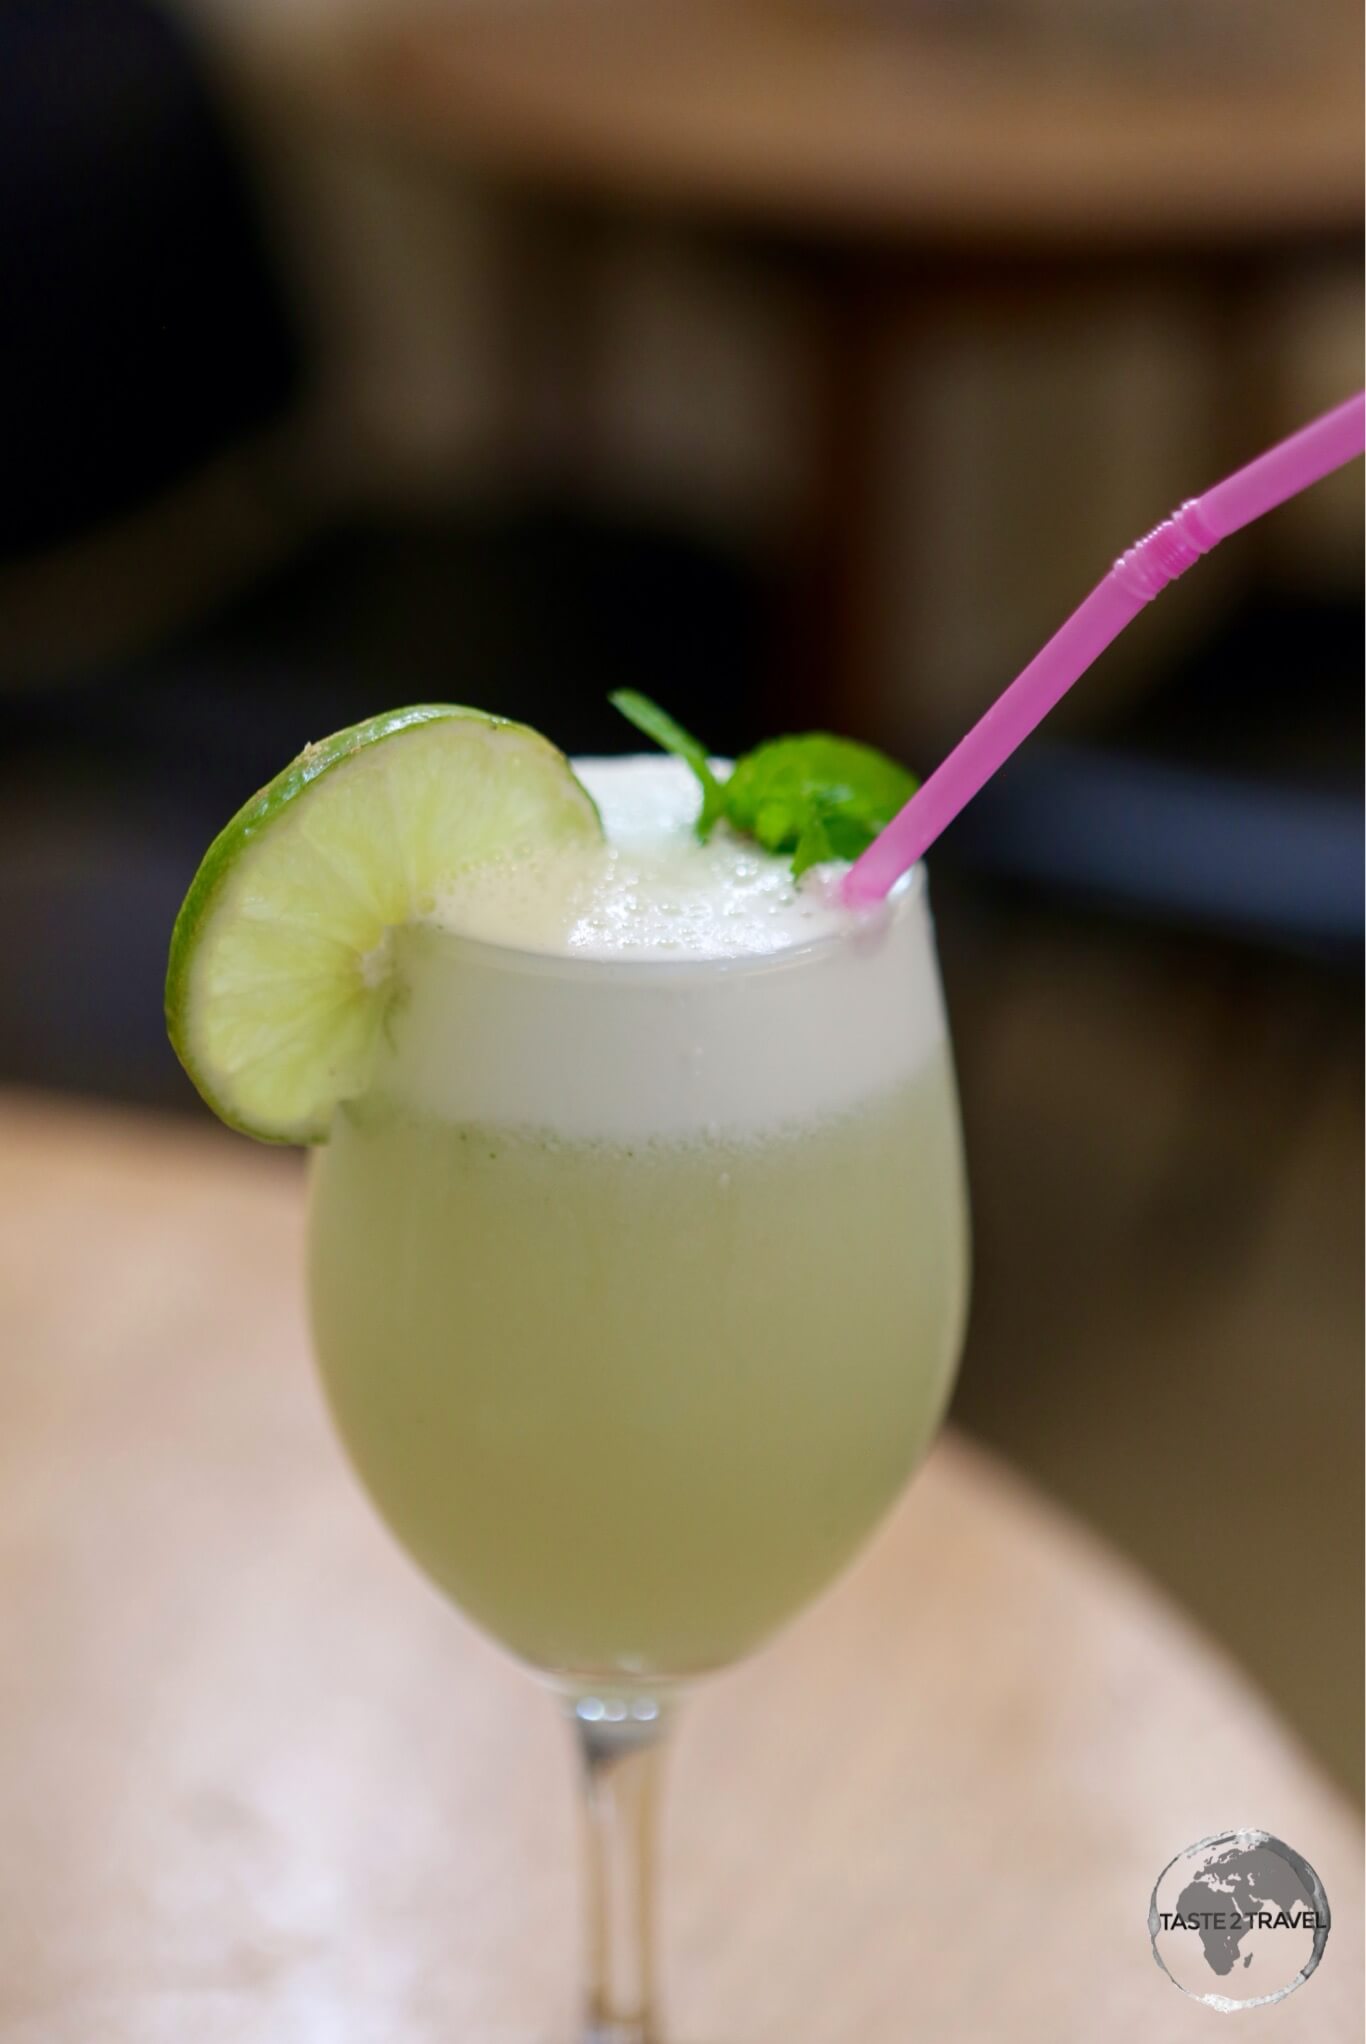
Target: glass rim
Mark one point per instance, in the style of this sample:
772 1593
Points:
910 890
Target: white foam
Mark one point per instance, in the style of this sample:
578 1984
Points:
652 888
657 988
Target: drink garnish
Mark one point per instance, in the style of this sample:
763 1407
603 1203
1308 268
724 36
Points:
814 796
283 969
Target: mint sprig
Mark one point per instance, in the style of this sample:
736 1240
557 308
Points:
659 725
815 796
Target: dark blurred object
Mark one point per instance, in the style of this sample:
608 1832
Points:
141 328
535 611
907 170
145 334
111 786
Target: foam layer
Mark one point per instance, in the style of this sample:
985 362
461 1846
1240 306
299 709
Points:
652 889
660 989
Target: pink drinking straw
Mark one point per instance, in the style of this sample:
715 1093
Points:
1135 579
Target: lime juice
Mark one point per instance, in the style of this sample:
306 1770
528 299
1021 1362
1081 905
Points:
638 1271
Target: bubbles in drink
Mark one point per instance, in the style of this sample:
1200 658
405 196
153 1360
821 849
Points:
652 887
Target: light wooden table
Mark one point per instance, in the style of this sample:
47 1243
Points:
258 1784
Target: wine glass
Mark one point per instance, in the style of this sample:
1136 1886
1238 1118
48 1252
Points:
638 1287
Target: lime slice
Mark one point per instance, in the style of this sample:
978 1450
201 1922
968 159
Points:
279 977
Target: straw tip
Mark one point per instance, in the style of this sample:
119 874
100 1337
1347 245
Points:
859 889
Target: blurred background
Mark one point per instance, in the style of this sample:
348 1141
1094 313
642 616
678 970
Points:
799 362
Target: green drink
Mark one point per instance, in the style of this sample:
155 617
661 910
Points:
638 1245
632 1405
638 1272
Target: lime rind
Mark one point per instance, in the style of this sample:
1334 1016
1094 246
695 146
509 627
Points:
279 977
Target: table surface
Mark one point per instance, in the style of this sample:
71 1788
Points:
851 120
258 1783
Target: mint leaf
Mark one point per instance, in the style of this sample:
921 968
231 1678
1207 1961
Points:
813 847
816 796
659 725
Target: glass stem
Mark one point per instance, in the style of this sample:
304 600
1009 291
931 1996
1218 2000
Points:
621 1749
